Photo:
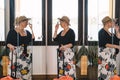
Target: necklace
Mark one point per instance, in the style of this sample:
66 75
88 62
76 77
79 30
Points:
64 31
21 32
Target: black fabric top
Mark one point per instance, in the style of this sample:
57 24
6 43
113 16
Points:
16 39
104 38
69 37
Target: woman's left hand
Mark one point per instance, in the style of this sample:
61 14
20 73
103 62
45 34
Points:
63 47
118 35
117 29
30 25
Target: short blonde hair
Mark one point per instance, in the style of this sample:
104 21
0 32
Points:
106 20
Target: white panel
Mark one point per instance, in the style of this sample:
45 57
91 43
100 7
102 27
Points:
39 60
52 59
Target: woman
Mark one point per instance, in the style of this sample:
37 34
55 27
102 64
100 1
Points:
66 40
17 41
108 49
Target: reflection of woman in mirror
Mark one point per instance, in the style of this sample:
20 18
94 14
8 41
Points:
20 67
108 49
25 36
65 39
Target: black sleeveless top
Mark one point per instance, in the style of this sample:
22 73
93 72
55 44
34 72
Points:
69 37
16 39
104 38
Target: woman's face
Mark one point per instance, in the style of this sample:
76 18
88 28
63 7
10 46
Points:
24 24
62 23
112 24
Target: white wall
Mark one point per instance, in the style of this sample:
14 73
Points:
44 60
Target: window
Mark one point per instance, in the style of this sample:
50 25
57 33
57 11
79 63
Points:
59 9
70 8
97 9
2 21
33 10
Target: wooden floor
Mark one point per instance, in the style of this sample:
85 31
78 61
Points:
92 74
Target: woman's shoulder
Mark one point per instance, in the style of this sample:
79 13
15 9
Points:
71 30
101 30
28 32
12 31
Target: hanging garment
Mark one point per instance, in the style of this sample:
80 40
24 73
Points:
5 62
66 64
21 63
106 63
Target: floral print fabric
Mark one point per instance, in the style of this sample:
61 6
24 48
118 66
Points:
66 64
106 63
20 63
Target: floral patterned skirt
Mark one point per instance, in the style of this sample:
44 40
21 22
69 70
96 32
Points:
21 63
66 64
106 63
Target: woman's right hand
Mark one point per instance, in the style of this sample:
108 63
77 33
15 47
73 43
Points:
56 27
117 29
11 47
117 47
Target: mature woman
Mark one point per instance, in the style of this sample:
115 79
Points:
108 49
17 41
66 40
19 30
